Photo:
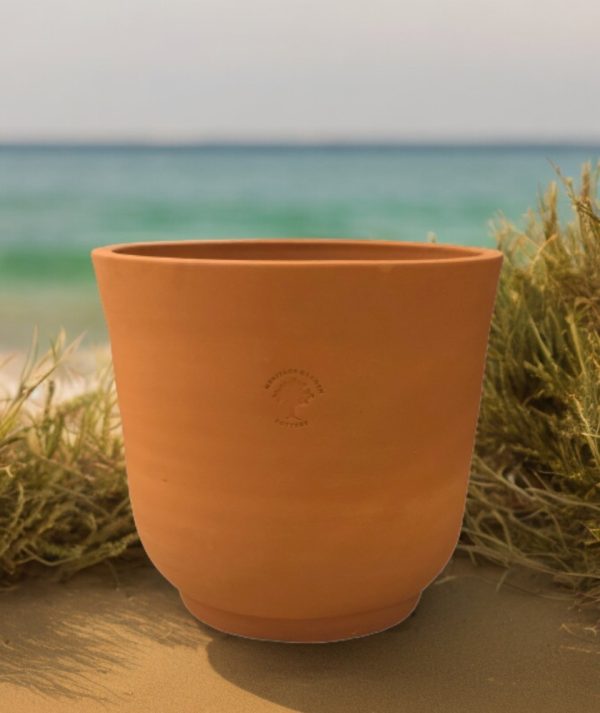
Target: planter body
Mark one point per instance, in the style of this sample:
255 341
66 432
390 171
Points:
299 419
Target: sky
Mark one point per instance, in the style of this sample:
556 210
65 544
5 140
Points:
300 70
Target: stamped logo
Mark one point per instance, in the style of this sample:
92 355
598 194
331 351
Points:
292 390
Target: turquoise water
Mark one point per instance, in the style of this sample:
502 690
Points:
56 203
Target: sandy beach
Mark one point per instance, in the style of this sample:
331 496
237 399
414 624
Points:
100 643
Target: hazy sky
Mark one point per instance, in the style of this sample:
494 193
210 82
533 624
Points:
300 69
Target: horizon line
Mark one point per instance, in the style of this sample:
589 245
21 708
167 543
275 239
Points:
293 143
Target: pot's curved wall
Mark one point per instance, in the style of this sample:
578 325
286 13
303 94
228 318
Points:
298 437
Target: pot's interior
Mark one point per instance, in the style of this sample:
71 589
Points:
298 250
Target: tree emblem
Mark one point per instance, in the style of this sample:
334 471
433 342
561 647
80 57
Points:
291 394
292 390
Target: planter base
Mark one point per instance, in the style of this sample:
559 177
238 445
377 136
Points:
302 631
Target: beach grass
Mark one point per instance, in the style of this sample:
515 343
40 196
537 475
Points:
534 495
63 495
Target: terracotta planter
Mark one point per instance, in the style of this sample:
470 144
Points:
299 418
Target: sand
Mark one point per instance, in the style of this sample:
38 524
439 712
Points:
95 645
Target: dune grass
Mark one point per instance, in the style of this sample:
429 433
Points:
63 494
534 496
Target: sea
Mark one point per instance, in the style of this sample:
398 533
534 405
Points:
57 202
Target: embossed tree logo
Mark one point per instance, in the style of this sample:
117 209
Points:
291 394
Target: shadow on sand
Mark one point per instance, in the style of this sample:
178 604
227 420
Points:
467 647
56 638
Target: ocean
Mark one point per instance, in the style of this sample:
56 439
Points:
58 202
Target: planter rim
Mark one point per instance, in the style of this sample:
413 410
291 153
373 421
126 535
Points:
440 253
